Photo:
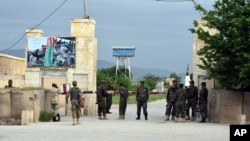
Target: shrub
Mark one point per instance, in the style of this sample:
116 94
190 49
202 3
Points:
46 116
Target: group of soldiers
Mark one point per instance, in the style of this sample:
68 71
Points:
180 101
104 99
104 94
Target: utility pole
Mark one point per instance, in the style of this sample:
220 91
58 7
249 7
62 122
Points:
84 10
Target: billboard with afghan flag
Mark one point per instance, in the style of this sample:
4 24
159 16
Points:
51 52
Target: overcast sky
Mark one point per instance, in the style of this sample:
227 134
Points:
158 30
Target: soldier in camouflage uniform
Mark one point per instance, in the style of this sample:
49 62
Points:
109 97
192 100
75 95
203 102
171 98
101 100
123 101
180 104
54 101
142 98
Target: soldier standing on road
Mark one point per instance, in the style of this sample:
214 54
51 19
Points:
75 95
203 102
171 98
101 100
54 101
109 97
142 98
123 101
181 98
192 100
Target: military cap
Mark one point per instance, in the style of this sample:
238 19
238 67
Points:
203 83
142 81
192 81
74 82
174 80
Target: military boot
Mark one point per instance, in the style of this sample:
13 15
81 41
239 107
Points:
173 117
203 121
74 121
78 121
146 117
122 116
138 117
58 117
100 117
167 118
177 120
184 119
105 117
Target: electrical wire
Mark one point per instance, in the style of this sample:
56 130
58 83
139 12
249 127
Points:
52 13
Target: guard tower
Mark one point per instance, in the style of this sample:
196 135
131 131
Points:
123 55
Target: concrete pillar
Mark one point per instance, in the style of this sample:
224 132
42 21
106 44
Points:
86 60
32 75
90 104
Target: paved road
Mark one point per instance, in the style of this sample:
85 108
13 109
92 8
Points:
92 129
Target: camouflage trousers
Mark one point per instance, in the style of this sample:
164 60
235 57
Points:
55 108
143 105
191 104
75 108
108 102
203 110
101 109
180 109
170 108
122 106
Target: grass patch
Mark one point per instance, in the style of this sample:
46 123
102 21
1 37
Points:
132 99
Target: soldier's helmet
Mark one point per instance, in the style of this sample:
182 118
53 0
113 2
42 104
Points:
74 82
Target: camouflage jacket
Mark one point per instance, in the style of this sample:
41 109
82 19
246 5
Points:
181 96
203 96
192 93
171 95
54 95
142 94
74 93
123 93
101 93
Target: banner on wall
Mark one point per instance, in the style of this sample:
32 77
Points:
51 52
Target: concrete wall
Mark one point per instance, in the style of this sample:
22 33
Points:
11 67
224 106
199 74
13 102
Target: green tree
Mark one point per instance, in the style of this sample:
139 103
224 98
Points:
225 55
108 74
174 75
150 81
